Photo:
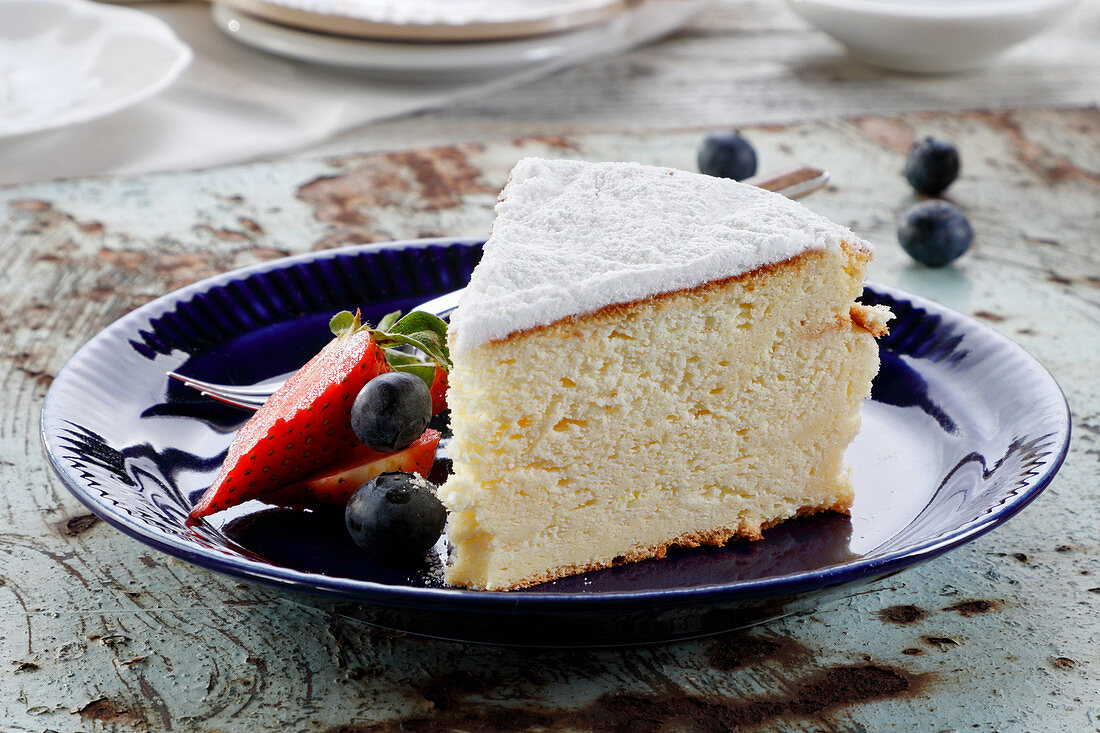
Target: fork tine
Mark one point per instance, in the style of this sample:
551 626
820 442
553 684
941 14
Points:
443 305
261 389
250 397
244 405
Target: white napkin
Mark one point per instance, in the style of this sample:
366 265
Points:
237 104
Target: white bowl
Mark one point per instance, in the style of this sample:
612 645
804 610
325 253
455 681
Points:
929 35
64 62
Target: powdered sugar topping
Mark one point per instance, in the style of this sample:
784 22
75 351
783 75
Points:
571 238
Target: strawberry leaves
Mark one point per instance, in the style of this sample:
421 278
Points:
344 322
395 333
420 330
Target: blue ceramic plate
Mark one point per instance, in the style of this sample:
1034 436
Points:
962 431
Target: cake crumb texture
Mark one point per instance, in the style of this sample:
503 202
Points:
684 418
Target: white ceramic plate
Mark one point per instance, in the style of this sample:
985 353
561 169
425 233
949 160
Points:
432 20
414 61
68 61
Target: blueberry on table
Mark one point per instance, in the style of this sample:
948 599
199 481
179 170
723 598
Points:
727 155
932 165
391 411
395 516
935 233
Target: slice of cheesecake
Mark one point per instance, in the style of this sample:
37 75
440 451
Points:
645 358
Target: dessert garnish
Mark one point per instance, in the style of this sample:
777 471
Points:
396 516
420 330
300 446
391 411
335 483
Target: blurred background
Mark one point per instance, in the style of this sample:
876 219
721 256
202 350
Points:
91 88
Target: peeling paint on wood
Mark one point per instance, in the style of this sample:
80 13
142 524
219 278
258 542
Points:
973 608
79 525
902 614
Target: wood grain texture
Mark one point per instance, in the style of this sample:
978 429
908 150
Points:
103 634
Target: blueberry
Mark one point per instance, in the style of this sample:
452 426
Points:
391 411
932 165
395 516
935 232
727 155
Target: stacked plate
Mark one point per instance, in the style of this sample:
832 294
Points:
429 39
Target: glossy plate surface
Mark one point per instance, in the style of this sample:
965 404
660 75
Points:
962 431
68 61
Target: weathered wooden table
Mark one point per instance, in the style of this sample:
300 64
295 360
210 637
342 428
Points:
102 633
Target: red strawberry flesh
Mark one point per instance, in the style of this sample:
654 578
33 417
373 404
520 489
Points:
439 390
338 481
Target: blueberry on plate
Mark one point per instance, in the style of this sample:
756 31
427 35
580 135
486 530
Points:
391 411
395 516
932 165
935 232
727 155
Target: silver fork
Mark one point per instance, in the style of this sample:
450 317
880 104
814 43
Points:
793 183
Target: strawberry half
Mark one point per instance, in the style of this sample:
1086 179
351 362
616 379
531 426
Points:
304 426
439 390
335 483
